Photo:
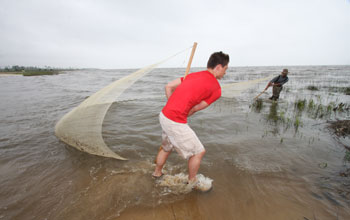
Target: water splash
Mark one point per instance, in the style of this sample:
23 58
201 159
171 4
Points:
178 184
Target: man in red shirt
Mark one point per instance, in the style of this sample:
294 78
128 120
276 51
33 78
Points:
187 95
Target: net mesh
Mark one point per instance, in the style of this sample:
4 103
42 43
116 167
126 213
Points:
82 127
234 89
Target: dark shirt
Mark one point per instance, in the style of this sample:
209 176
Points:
280 79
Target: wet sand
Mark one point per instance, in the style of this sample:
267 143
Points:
10 74
264 196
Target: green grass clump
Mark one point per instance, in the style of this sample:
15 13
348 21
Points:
319 111
330 107
273 116
257 105
312 88
345 90
297 122
311 105
300 105
40 73
347 156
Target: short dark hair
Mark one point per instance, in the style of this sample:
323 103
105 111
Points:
218 58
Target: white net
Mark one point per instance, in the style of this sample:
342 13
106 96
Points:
81 128
234 89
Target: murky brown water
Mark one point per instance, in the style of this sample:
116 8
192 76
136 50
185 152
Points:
264 164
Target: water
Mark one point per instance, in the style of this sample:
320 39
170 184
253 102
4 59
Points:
262 165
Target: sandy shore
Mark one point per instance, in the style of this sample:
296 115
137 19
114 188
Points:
10 74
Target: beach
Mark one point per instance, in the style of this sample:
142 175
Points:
10 74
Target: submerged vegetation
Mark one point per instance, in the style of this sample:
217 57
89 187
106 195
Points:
257 105
345 90
294 117
340 127
318 110
40 73
347 156
300 105
312 88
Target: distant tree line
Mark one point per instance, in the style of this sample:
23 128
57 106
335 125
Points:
16 68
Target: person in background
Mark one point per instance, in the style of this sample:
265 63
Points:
277 84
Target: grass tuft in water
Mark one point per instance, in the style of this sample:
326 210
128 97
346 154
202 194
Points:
297 122
300 105
347 156
345 90
319 111
257 105
311 105
330 107
312 88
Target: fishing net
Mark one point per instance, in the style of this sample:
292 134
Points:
234 89
81 128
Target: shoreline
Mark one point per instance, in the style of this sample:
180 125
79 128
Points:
10 74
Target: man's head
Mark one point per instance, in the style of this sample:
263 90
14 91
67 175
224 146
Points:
284 73
218 64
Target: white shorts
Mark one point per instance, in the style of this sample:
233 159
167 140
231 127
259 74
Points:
179 136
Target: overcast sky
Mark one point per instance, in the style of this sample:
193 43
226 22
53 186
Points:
132 34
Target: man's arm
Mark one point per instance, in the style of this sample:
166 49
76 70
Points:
280 83
272 83
171 86
268 85
202 105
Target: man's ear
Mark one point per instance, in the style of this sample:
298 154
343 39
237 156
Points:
218 67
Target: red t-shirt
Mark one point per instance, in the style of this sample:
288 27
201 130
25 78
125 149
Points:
192 90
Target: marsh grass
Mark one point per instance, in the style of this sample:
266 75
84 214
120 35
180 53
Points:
297 122
319 113
283 116
311 105
341 128
330 107
345 90
40 72
318 110
257 105
273 115
300 105
312 88
347 156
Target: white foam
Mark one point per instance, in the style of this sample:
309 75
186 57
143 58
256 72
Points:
178 183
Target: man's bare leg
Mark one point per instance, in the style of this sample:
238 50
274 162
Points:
193 165
160 161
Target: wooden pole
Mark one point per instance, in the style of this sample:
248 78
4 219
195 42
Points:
191 58
187 71
260 94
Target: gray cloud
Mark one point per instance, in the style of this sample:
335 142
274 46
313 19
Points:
131 34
